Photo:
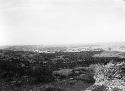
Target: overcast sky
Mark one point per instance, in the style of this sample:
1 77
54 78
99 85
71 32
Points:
61 21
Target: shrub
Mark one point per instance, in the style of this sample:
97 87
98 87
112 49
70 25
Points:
111 75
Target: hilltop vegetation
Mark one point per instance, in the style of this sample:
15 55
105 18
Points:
29 67
20 68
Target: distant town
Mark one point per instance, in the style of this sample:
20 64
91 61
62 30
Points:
52 49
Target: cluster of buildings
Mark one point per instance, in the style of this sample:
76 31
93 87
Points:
83 49
79 49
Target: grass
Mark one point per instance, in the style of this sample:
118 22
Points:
65 85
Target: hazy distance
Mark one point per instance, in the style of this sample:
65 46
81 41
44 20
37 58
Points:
47 22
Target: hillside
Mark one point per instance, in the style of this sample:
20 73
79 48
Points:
69 71
111 54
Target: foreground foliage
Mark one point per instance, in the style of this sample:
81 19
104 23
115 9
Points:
111 76
28 68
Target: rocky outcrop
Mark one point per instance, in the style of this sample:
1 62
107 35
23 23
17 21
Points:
79 73
63 73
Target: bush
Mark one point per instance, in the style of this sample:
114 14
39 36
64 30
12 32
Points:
111 75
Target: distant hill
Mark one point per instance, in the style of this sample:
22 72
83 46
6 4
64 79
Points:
35 48
111 46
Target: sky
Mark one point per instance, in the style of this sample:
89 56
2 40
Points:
47 22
